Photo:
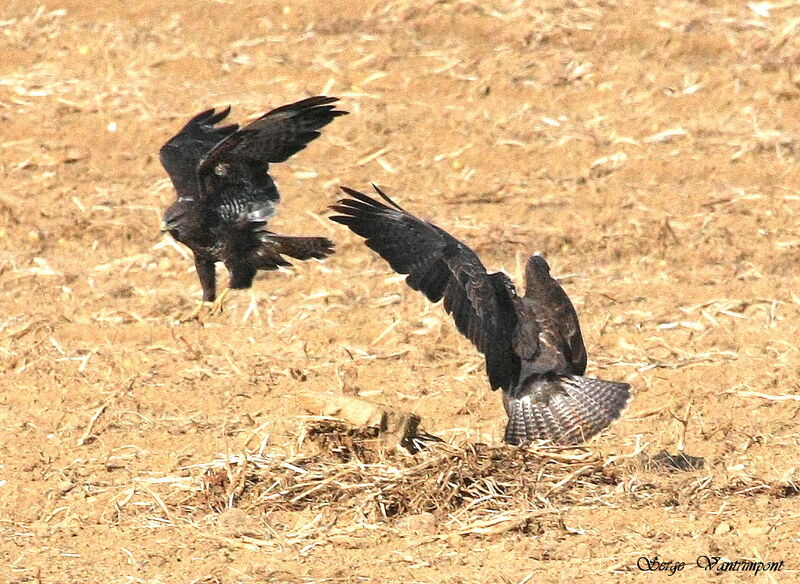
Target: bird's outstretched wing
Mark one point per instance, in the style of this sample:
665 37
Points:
181 154
240 161
441 267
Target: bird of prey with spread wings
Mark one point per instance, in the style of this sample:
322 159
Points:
225 196
532 343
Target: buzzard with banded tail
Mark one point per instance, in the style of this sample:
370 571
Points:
225 195
532 344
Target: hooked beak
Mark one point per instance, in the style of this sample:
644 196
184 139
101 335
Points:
164 227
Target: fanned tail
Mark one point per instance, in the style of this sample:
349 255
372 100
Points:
565 410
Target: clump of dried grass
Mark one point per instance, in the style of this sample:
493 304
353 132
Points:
348 471
343 478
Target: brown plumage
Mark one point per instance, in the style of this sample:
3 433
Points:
226 196
532 344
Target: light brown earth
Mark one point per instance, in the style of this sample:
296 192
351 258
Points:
648 149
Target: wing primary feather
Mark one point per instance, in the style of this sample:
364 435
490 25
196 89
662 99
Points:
386 198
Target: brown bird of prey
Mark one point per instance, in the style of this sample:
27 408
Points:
532 343
226 196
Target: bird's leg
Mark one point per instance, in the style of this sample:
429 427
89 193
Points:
208 281
216 306
208 277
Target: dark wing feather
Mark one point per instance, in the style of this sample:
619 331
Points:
571 330
241 160
553 306
441 267
181 154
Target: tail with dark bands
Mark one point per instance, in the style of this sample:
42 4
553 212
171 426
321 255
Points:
565 410
303 248
272 247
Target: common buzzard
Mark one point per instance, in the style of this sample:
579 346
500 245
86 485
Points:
533 345
226 196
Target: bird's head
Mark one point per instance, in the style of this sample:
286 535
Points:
537 267
537 276
174 220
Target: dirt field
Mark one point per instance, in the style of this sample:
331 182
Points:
649 150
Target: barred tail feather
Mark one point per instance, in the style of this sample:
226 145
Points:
303 248
565 410
272 247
